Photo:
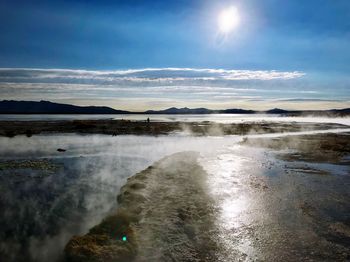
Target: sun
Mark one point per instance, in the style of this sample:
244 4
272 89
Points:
228 20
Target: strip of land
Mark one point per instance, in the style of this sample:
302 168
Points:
164 214
126 127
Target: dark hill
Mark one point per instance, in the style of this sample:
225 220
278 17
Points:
185 110
46 107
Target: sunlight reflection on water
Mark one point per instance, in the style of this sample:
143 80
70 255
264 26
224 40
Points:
228 173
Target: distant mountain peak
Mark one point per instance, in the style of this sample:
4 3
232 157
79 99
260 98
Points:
276 111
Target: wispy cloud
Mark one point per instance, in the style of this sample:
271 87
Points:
138 89
141 75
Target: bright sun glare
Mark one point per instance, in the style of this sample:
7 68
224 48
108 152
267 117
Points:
228 20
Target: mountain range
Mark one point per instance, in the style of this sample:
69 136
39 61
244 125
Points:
46 107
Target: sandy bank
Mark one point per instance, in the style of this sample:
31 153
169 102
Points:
164 214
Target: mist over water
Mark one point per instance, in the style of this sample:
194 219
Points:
46 211
217 118
42 209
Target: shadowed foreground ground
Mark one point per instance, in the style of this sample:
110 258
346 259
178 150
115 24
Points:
164 214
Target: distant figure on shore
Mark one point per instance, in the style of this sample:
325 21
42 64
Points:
148 120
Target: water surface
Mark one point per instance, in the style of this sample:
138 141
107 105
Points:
218 118
257 201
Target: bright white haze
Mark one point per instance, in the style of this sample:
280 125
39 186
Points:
228 20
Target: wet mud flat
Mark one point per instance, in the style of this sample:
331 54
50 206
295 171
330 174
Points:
333 148
307 198
126 127
164 214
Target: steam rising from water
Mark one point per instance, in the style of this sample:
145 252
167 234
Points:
216 118
84 190
94 167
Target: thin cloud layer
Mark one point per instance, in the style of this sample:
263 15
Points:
157 88
140 75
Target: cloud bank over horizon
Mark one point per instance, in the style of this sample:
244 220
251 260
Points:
145 74
159 88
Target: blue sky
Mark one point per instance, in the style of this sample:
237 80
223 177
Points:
307 42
